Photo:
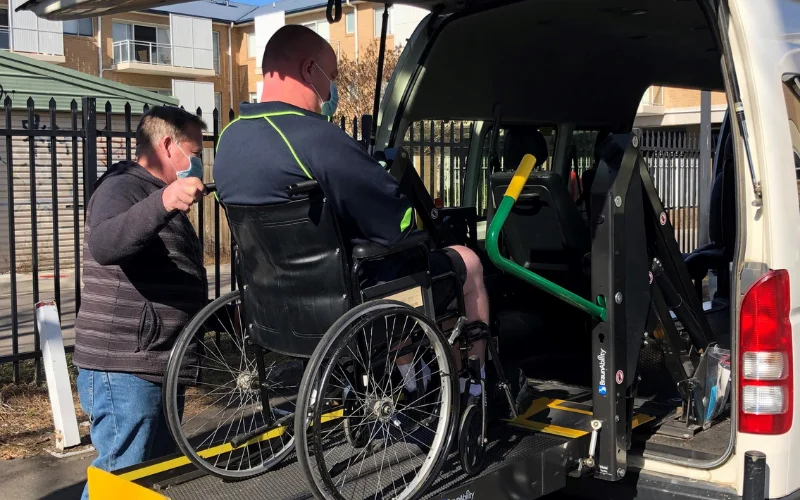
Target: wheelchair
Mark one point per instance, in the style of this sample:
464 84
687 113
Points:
306 357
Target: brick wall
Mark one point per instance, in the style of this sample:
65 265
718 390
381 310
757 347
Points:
245 77
366 26
80 53
689 98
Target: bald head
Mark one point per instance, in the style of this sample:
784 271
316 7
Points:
291 45
298 66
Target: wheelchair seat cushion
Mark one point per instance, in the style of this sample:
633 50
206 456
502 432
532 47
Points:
445 291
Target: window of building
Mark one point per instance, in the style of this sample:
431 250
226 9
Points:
215 39
253 97
166 92
350 22
4 36
312 26
139 43
378 16
251 46
80 27
218 107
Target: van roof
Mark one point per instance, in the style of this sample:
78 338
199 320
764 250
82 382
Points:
565 60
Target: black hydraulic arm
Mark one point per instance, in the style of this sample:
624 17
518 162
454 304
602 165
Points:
665 248
378 80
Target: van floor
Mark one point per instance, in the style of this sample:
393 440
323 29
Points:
567 410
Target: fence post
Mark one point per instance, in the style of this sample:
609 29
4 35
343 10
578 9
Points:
704 177
366 127
89 105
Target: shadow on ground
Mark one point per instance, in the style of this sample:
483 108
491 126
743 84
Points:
68 493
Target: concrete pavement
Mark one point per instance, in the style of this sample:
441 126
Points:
25 304
45 477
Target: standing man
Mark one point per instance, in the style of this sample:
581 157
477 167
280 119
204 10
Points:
143 280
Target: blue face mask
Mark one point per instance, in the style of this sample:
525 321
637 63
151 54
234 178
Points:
195 166
328 108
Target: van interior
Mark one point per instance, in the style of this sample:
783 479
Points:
554 74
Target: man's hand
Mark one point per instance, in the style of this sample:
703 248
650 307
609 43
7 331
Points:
182 194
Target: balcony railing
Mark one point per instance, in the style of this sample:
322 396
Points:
126 51
5 38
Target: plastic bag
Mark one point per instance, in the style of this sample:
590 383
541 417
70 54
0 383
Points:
716 386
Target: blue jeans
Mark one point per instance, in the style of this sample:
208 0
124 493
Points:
128 425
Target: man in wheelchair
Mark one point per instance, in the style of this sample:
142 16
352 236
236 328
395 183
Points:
288 138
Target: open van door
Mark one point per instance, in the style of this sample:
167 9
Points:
62 10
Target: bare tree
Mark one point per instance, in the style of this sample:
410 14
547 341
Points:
357 80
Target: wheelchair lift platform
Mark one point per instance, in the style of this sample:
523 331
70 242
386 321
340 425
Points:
527 457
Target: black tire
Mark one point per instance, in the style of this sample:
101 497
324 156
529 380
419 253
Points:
311 450
198 331
471 449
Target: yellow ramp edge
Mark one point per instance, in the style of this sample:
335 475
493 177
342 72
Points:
105 485
541 404
214 451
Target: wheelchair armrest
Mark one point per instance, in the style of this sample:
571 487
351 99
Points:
374 250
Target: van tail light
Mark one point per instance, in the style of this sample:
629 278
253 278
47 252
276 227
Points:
765 347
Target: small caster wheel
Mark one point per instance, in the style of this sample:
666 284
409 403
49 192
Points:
471 445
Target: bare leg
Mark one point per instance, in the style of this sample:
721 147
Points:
476 305
476 299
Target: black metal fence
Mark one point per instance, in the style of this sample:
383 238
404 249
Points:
51 168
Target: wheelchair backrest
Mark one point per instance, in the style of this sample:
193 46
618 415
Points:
293 271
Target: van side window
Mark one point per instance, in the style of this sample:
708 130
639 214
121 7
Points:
791 94
439 150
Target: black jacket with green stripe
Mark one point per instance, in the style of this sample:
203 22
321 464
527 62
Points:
273 145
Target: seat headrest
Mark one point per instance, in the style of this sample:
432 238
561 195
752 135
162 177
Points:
521 140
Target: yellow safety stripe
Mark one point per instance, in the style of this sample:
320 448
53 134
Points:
555 430
103 485
289 145
216 450
556 404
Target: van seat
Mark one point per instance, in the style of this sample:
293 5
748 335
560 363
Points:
718 254
545 231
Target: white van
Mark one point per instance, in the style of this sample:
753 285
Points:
579 69
582 66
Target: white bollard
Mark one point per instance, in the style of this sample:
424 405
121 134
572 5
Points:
55 368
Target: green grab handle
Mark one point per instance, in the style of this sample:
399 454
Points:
492 248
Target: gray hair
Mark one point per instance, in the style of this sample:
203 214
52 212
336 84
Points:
161 121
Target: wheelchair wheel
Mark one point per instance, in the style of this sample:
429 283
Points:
229 404
408 432
471 449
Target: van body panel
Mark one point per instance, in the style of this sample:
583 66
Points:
764 35
726 474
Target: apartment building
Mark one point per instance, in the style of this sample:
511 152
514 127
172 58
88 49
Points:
205 53
667 107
